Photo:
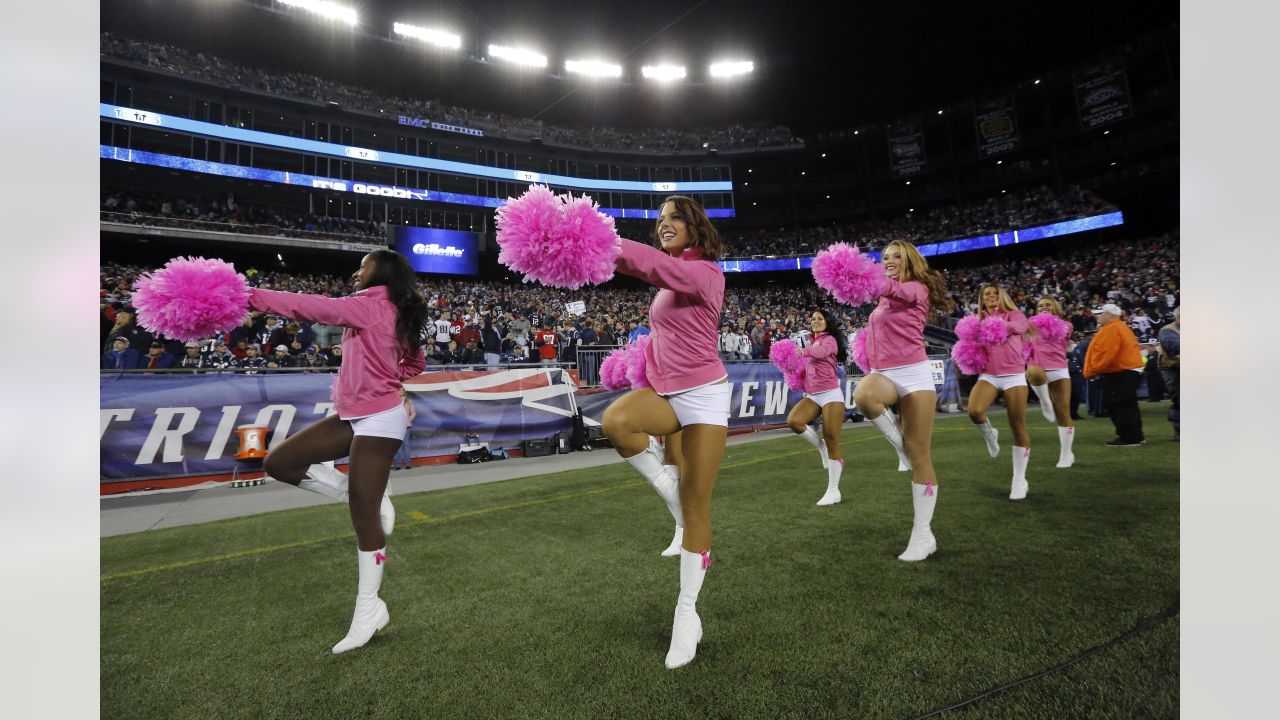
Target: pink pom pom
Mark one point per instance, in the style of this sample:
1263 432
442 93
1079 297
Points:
191 298
613 371
560 241
850 277
795 381
993 331
1051 327
970 357
858 351
786 356
637 363
967 328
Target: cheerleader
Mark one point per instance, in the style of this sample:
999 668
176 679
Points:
1005 372
689 395
900 375
822 396
1047 374
380 343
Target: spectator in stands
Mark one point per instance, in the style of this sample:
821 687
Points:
220 357
253 362
472 354
451 355
120 356
191 359
242 333
619 333
312 359
271 328
281 358
335 355
491 343
521 355
1114 357
433 352
441 326
637 329
545 341
156 357
1170 354
126 327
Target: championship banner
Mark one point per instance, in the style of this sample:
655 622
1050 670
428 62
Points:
906 149
996 124
1102 94
168 426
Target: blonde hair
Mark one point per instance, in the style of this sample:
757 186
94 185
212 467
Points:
916 268
1053 302
1006 302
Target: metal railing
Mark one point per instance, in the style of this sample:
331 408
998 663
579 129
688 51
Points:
260 229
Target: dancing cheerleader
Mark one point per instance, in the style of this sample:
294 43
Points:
823 396
1003 326
1047 373
900 374
380 350
689 392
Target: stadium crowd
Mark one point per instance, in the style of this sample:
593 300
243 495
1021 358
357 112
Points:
311 87
1008 211
226 214
484 322
1001 213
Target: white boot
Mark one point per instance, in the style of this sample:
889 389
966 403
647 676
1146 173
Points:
667 485
1066 436
673 550
1046 403
922 543
813 439
686 630
833 483
371 612
325 479
1018 490
888 424
991 436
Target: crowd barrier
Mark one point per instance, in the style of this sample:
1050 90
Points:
176 427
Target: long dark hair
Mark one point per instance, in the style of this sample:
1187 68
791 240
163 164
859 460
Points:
392 270
836 330
702 234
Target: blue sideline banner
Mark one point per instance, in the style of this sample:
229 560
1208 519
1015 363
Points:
165 426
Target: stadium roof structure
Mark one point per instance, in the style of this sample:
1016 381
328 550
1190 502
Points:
817 66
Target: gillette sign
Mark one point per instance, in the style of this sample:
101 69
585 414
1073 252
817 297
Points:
431 250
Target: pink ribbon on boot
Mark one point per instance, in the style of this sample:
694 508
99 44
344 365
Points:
706 559
928 488
379 558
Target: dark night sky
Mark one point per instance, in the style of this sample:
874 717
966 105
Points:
819 65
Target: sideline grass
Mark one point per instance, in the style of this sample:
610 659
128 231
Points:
545 597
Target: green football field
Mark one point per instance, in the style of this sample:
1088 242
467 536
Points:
545 597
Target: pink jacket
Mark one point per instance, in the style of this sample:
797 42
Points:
682 351
820 364
1048 355
1006 358
896 326
373 364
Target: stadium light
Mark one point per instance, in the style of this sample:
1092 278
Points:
440 38
593 68
731 68
326 8
518 56
663 73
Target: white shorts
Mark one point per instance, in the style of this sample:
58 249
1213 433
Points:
707 405
910 378
826 396
388 423
1057 374
1004 382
